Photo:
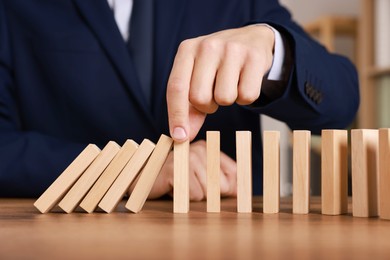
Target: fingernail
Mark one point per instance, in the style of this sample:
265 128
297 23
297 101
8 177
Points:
179 133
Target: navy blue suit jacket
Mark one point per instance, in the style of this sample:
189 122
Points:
66 80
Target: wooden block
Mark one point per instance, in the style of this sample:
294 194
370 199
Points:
301 171
244 171
66 179
108 177
213 171
334 172
127 176
149 174
364 146
89 177
384 173
181 192
271 171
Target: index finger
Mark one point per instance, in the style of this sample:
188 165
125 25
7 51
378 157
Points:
178 90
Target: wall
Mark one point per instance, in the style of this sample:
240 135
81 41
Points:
305 11
382 60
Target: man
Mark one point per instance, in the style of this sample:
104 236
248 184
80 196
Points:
71 74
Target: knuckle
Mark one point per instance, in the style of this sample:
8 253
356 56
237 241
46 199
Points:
198 98
209 45
225 99
234 48
212 108
255 56
247 97
186 45
176 84
262 59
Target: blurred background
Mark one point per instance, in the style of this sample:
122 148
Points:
360 30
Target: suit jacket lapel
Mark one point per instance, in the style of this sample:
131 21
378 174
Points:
101 21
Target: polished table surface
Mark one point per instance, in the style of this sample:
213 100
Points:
157 233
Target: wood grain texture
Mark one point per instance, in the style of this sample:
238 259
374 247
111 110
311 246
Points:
244 171
334 172
89 177
99 189
271 171
301 171
181 190
364 146
213 171
66 179
156 233
122 183
149 174
384 173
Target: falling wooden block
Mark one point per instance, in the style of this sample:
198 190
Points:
181 192
271 171
364 146
384 173
108 177
122 183
89 177
301 171
149 174
244 171
66 179
213 171
334 173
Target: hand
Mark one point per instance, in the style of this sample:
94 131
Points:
198 177
216 70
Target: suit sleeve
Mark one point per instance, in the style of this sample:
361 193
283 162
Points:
29 161
322 88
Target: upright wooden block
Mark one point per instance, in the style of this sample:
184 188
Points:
271 171
364 146
334 173
127 176
149 174
108 177
301 171
181 191
85 182
66 179
384 173
244 171
213 171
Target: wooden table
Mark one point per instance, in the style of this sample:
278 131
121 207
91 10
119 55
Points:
158 233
